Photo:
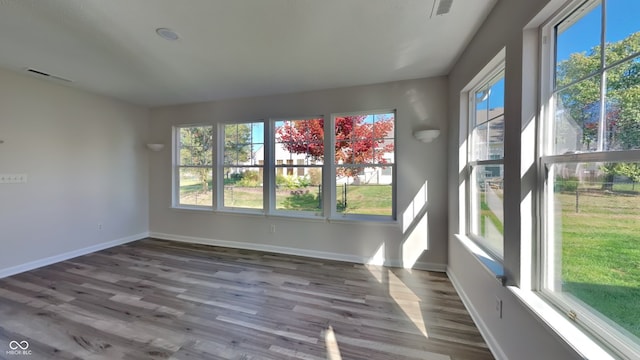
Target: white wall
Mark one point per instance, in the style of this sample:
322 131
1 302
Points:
518 334
418 103
86 164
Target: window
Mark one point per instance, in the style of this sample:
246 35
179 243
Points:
292 165
486 162
364 161
591 160
243 165
299 148
193 172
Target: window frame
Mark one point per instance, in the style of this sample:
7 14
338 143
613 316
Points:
546 269
220 165
280 167
176 166
331 173
494 69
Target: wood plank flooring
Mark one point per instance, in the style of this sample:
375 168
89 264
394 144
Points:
155 299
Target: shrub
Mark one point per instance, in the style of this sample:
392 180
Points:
569 184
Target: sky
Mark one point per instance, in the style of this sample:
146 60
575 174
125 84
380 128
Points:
622 20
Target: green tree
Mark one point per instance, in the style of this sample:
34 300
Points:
622 100
196 151
237 145
630 170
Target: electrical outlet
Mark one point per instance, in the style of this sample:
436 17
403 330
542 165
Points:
499 307
99 227
13 178
272 229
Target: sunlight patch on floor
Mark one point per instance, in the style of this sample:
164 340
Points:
402 295
333 350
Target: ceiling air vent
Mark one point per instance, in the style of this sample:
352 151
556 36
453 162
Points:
47 75
441 7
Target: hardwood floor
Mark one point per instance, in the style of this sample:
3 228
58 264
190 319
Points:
155 299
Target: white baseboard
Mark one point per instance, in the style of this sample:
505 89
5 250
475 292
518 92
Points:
292 251
68 255
495 348
430 267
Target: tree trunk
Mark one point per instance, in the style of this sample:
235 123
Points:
608 182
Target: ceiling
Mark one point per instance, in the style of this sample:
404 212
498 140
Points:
232 48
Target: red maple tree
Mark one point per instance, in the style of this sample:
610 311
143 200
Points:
357 141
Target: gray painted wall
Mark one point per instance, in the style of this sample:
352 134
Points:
518 334
86 164
418 103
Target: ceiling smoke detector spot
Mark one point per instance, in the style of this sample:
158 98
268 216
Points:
167 34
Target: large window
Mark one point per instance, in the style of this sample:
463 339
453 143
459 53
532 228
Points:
243 165
299 157
364 162
590 157
281 169
486 162
193 166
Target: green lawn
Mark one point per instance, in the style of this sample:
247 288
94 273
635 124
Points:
365 199
191 193
361 199
601 253
487 215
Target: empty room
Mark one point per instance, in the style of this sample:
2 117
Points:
298 179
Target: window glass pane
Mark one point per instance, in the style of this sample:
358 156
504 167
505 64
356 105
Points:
487 214
300 139
243 143
195 146
300 191
623 29
364 139
623 106
383 126
577 117
364 190
596 238
496 96
195 186
578 44
243 187
488 140
482 106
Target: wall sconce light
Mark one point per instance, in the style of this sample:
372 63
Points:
426 136
155 147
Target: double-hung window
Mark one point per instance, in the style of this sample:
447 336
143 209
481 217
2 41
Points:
299 159
243 166
590 160
193 170
485 167
364 162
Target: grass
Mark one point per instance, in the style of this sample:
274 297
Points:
361 199
487 215
601 253
365 199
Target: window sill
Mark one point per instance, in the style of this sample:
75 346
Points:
492 265
354 219
573 336
201 209
302 216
